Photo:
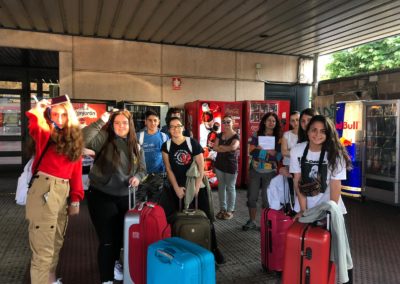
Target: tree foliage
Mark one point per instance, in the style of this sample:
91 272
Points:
371 57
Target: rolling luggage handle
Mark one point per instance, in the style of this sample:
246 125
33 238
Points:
196 205
132 192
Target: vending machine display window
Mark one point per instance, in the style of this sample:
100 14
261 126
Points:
382 150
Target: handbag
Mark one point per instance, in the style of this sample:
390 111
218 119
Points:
23 183
314 187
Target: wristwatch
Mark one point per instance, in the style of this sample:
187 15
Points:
74 204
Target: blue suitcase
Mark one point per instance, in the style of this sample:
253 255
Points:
178 261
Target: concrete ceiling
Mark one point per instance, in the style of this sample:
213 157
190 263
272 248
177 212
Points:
294 27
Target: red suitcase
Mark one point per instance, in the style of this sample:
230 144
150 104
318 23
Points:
307 256
144 225
274 226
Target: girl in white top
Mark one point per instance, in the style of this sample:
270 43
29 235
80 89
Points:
322 137
289 138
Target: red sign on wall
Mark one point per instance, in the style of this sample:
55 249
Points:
89 112
176 83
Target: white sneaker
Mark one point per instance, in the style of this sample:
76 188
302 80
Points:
58 281
118 271
108 282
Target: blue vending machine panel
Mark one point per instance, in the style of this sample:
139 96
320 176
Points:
349 120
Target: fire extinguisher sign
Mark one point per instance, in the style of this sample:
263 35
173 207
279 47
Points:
176 83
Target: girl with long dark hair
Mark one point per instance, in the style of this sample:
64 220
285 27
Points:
119 163
325 158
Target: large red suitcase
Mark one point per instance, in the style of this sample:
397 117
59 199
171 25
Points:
274 226
144 225
306 257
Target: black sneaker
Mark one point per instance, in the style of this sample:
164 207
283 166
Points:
250 225
219 257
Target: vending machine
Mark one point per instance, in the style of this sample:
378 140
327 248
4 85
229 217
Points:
203 121
382 142
89 111
253 112
138 110
350 128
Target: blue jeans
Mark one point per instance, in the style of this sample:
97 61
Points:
226 190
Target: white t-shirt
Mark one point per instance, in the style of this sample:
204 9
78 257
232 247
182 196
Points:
291 139
278 192
311 165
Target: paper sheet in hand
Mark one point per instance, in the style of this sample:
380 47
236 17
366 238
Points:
266 142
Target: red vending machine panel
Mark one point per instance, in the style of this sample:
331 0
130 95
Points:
203 121
253 112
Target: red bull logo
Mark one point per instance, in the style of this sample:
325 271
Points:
345 125
345 142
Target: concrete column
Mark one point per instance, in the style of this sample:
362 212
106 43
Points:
66 74
315 78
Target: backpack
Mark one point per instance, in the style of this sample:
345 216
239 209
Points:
188 142
164 137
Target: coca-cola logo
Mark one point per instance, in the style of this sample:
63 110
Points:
345 125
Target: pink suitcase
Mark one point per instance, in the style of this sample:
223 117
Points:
143 226
274 226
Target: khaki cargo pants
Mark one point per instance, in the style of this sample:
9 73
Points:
46 211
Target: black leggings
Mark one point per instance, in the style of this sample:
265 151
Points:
107 214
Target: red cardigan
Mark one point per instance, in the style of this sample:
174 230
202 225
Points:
52 163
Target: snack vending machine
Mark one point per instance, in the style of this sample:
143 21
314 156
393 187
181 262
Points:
350 128
381 160
253 113
138 110
203 121
89 111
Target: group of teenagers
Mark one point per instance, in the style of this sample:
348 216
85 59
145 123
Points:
125 158
310 150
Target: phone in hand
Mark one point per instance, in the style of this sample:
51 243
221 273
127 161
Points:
59 100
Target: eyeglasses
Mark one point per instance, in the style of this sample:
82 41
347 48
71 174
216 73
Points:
121 123
176 127
226 121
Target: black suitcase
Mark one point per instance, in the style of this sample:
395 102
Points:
192 225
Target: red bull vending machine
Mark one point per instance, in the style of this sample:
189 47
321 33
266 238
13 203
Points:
349 125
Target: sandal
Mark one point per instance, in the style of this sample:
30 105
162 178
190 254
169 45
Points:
228 215
221 214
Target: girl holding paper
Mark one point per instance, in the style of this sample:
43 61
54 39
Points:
264 150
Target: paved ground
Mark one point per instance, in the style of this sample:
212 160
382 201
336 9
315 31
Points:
373 227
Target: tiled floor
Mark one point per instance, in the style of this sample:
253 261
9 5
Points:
374 229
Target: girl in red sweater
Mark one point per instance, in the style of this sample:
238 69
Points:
56 187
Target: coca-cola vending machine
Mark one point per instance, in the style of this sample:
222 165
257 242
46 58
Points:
253 113
203 121
89 111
